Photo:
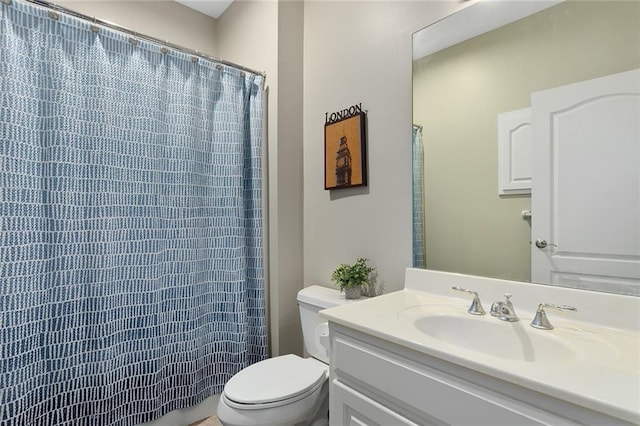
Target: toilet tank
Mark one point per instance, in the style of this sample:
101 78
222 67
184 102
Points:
310 301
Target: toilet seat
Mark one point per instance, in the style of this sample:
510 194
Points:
263 385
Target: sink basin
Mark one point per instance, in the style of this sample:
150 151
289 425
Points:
490 336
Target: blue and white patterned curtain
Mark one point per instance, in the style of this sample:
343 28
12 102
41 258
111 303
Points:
131 260
417 168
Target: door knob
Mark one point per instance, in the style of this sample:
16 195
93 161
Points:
540 243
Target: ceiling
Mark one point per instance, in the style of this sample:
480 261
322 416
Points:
213 8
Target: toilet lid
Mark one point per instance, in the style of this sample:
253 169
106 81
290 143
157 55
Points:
275 379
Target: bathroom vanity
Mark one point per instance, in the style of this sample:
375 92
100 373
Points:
417 356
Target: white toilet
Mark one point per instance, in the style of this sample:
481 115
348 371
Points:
286 390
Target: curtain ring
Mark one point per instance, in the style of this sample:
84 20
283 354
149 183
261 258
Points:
52 12
94 26
134 39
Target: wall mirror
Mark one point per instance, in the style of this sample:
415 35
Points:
487 60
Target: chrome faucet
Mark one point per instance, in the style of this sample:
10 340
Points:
504 311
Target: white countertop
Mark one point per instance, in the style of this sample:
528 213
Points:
604 375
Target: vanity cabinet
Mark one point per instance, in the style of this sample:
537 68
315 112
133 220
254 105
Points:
376 382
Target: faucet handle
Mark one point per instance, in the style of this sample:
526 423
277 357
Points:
476 306
541 321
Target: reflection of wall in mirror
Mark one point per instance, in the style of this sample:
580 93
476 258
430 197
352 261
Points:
458 94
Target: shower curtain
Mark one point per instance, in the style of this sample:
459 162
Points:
417 187
131 259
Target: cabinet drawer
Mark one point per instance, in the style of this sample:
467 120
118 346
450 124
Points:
436 394
354 408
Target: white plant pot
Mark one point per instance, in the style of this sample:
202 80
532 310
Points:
353 292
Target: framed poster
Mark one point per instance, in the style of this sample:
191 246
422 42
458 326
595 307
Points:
345 164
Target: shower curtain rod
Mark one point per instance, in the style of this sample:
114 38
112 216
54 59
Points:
56 8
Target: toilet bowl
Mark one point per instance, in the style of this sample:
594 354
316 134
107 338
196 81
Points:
286 390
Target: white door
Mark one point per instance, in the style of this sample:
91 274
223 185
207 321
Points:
585 199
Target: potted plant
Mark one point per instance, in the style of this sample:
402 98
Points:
352 278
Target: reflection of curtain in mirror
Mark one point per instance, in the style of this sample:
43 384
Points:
417 187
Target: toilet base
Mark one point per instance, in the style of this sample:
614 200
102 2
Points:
321 417
310 411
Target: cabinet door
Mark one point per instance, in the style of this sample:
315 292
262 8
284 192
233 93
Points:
351 408
438 397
